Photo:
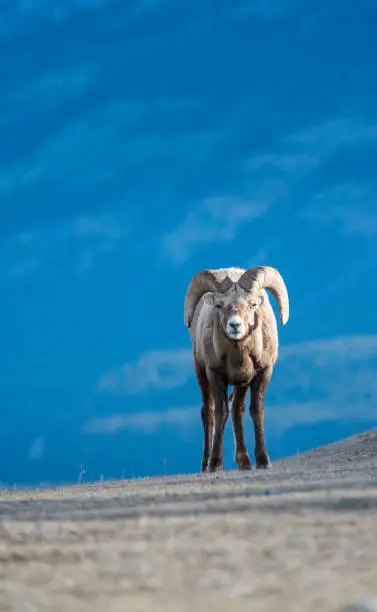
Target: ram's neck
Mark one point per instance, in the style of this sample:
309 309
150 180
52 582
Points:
240 358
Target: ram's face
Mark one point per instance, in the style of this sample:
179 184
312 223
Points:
237 312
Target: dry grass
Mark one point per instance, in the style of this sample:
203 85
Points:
302 537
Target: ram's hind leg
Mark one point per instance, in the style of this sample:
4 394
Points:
258 389
208 414
238 412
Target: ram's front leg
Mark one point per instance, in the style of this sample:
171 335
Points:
207 412
220 389
238 412
258 389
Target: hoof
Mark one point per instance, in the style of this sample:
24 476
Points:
216 466
263 462
203 467
244 462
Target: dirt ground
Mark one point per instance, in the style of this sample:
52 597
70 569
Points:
299 538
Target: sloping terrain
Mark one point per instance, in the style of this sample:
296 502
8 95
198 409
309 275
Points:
302 536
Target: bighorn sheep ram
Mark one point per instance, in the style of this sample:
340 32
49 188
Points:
235 342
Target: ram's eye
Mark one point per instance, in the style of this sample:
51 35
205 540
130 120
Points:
253 305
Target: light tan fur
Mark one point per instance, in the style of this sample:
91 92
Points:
244 363
211 346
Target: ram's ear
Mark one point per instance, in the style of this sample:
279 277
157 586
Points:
217 302
261 300
209 299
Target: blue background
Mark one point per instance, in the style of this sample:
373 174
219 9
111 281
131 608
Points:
139 143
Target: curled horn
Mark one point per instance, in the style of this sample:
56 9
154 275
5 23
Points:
207 280
265 277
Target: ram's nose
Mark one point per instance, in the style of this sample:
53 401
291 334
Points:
234 326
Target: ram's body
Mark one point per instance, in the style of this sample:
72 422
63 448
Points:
238 362
234 338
